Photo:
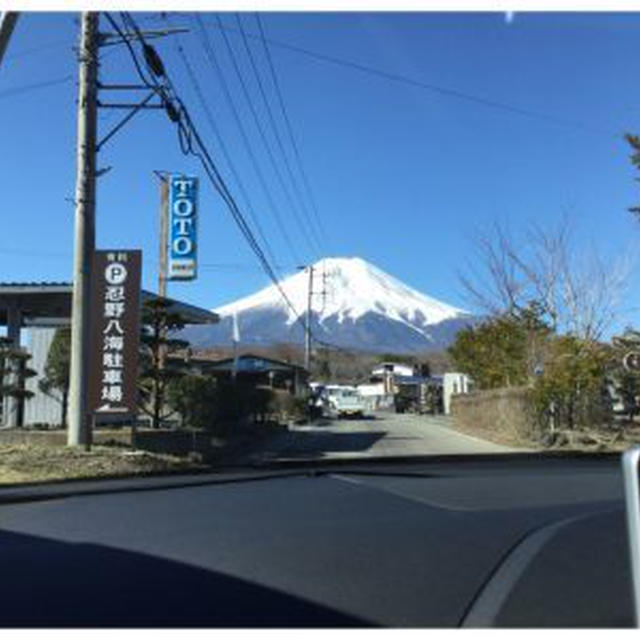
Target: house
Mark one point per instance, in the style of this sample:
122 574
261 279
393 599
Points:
256 370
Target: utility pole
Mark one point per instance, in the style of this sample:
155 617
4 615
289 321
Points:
84 232
158 393
8 21
324 286
307 341
164 235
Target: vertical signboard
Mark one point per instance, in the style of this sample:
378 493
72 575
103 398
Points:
115 331
183 197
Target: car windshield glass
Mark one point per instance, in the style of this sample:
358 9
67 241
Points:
264 236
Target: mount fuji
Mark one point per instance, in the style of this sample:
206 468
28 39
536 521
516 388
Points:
354 305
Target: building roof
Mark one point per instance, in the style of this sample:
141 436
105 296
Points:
250 362
48 304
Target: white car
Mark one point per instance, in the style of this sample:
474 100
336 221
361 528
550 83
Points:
345 401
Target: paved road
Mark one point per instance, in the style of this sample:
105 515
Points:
384 434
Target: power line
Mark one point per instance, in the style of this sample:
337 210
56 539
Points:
392 76
434 88
43 47
27 88
38 254
191 143
223 148
285 115
231 266
210 53
276 134
263 137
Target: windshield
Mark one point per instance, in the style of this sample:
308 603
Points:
220 225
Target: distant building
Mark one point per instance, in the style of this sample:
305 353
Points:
394 368
256 370
374 396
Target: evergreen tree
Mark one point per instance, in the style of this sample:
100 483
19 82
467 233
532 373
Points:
159 324
503 351
14 371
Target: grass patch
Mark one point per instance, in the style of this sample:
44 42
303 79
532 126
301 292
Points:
25 463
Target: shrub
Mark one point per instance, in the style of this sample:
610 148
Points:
195 398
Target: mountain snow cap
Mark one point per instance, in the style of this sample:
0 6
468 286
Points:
347 289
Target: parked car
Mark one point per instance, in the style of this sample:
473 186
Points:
345 401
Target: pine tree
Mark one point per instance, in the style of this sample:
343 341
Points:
158 326
14 371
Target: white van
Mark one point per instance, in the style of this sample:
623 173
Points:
344 401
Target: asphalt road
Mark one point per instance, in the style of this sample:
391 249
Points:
383 434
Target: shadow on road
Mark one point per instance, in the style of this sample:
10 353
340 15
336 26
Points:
310 444
334 422
48 583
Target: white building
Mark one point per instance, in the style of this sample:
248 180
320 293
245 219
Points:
453 383
374 396
393 368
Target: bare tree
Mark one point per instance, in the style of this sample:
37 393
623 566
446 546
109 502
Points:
578 293
496 287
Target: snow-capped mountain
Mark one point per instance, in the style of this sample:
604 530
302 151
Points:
354 304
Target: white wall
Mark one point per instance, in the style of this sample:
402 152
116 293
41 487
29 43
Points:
452 383
41 408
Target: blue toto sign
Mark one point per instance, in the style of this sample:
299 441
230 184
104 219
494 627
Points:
183 199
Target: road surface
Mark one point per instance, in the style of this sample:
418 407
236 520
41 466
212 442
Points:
383 434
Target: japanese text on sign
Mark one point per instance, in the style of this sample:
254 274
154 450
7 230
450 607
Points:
115 322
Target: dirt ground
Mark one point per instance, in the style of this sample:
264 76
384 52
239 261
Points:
587 440
26 463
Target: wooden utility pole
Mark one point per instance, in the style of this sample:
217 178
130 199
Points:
79 431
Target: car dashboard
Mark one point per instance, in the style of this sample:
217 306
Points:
482 541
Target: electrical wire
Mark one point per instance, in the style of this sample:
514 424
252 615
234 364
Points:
434 88
27 88
395 77
43 47
191 143
223 147
213 61
287 121
274 128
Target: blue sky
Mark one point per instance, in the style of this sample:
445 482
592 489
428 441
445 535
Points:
402 176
